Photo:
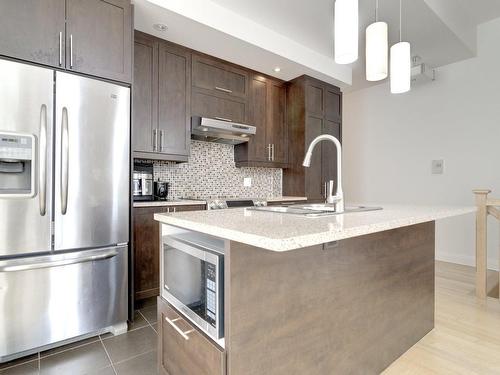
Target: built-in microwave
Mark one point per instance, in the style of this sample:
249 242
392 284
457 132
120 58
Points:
193 278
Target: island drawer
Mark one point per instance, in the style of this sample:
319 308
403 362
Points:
182 349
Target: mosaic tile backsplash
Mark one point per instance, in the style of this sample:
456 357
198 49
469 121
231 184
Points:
211 172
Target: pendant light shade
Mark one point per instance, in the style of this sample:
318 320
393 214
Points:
400 62
400 68
346 31
377 49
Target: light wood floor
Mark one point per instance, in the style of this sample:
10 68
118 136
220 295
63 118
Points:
466 337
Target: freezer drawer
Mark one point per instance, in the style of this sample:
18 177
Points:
47 299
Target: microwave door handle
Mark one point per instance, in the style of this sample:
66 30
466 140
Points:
42 175
64 161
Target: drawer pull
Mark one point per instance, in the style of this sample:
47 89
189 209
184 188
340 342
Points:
223 89
182 333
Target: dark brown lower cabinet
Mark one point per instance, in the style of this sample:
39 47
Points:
147 248
187 354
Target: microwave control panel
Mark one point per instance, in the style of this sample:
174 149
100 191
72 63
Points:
211 294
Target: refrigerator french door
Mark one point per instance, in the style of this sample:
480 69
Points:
92 163
64 207
26 109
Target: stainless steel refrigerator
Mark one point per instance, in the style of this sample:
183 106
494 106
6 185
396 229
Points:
64 207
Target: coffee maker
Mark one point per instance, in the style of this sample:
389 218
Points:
160 190
143 181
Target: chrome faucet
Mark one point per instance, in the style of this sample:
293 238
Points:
338 198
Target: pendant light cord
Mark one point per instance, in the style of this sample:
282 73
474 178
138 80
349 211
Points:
376 10
400 16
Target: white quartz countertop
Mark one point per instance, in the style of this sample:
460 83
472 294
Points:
178 202
283 232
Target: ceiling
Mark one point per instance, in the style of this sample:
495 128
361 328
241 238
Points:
299 37
309 25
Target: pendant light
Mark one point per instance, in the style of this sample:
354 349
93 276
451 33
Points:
346 31
400 63
377 49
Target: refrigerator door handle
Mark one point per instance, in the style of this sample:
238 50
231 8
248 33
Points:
64 161
14 265
42 175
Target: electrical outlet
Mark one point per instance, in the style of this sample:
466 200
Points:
438 166
247 182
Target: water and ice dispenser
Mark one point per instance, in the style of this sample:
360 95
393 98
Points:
17 165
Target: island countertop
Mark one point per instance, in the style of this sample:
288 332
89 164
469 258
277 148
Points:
283 232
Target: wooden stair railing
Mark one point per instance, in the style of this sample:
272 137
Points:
485 206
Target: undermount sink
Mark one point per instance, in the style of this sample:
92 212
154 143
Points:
313 210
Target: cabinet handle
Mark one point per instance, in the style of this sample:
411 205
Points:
161 140
223 89
224 119
60 48
155 140
175 209
272 152
269 152
326 189
71 51
184 334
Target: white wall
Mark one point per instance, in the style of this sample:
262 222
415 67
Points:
390 140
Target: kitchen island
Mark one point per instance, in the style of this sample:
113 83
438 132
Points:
343 294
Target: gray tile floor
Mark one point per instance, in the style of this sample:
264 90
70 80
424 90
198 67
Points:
131 353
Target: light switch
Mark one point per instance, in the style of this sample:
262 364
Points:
247 182
438 166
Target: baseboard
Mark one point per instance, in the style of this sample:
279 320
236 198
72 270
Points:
465 260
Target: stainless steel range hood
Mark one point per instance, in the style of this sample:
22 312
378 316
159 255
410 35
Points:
220 130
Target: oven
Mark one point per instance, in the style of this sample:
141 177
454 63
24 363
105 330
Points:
193 278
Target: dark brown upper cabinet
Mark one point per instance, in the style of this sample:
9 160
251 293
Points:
174 94
214 75
267 112
145 92
313 108
162 94
33 31
219 89
99 38
87 36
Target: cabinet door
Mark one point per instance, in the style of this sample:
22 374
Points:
333 104
314 186
219 77
174 93
329 153
99 38
182 350
33 30
277 129
146 252
258 145
208 105
145 89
